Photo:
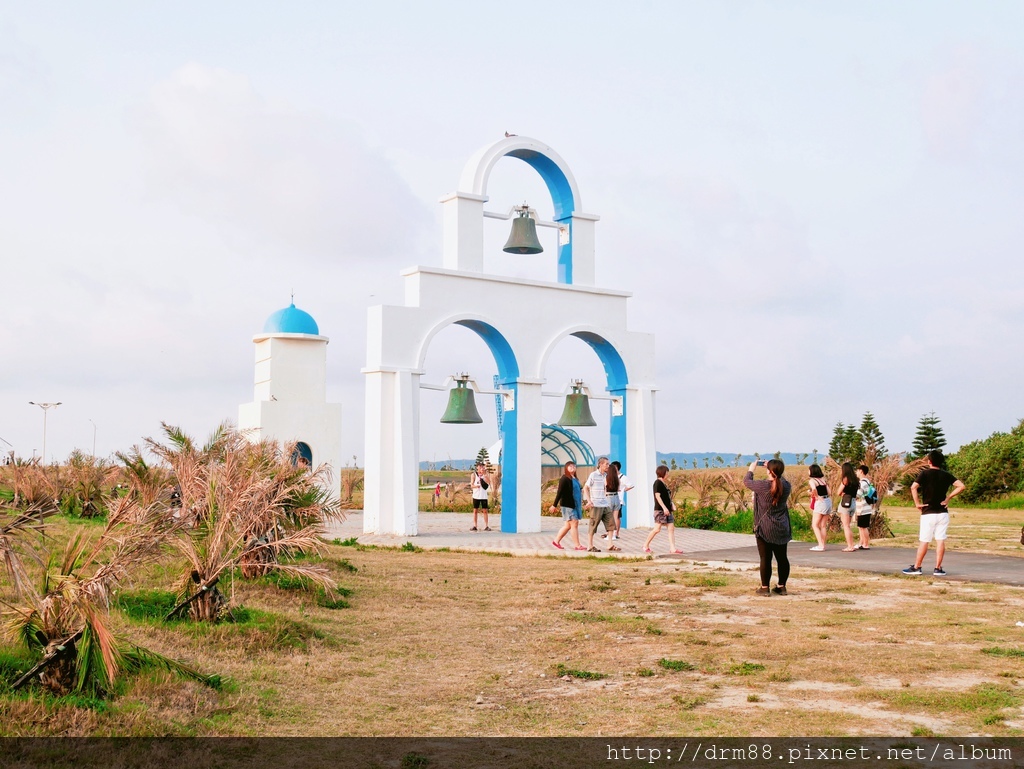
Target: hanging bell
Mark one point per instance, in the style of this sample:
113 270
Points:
577 408
461 405
523 238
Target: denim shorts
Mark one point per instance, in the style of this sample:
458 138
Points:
571 514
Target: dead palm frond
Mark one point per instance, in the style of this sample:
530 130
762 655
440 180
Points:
246 505
703 483
66 622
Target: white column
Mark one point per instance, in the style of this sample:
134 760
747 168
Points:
391 475
643 457
463 223
528 415
583 256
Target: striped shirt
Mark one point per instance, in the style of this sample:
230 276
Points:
771 523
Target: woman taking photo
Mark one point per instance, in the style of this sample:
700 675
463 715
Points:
771 522
569 498
848 503
821 510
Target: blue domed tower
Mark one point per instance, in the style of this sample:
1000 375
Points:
290 394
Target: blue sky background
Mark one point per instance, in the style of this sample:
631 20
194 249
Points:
819 207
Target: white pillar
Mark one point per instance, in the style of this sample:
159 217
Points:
528 478
463 226
584 272
643 457
391 475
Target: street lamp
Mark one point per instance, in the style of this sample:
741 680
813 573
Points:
45 407
93 438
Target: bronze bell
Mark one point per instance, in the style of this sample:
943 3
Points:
461 405
577 408
523 238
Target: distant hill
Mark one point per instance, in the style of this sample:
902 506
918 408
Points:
683 459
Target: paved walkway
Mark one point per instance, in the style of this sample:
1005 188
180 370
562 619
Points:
450 530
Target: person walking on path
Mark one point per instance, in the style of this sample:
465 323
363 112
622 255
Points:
663 508
867 498
931 493
479 482
597 502
437 494
624 486
611 492
847 503
821 508
569 498
772 527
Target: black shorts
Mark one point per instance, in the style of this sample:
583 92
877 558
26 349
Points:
864 521
478 503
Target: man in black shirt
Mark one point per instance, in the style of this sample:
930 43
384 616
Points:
933 487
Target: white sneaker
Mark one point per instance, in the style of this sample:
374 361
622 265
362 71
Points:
615 536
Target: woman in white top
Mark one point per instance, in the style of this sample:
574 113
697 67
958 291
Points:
821 510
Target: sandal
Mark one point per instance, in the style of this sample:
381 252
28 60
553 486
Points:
648 550
487 529
473 529
614 548
557 545
677 552
593 550
849 549
580 547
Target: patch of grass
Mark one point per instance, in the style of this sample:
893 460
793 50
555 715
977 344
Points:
921 731
652 630
745 669
753 698
586 675
689 703
145 604
602 586
350 542
833 599
676 665
705 580
998 651
409 547
414 761
644 672
780 676
984 697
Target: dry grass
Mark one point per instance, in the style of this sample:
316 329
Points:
439 643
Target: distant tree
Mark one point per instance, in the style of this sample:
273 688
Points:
801 457
719 462
707 463
928 436
847 445
737 460
757 455
672 464
777 455
814 457
872 439
483 458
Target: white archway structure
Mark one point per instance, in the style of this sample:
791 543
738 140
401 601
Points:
503 311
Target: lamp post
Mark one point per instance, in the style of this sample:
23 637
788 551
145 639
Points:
93 438
45 407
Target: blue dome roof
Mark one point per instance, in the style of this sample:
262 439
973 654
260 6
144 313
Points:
291 320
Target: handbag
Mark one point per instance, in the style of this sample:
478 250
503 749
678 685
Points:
847 501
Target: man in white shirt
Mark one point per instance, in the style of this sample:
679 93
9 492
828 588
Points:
596 500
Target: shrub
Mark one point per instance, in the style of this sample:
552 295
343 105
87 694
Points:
707 517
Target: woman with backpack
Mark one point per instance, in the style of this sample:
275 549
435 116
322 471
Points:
867 498
848 503
821 506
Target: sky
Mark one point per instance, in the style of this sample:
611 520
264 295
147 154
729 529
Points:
817 206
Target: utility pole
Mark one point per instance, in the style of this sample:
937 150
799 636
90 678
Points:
45 407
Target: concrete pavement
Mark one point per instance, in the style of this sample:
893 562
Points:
451 530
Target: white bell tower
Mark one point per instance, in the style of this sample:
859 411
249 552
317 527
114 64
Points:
290 394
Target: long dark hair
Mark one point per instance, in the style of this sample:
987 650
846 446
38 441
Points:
776 467
611 480
849 476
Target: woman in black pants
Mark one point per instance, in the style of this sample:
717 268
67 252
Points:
771 522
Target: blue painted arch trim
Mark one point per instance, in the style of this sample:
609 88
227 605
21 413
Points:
617 379
508 375
562 198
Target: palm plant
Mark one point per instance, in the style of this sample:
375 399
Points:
736 494
704 484
86 479
244 505
64 619
145 482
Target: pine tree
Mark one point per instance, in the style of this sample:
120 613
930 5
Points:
871 438
836 448
847 444
928 436
482 458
